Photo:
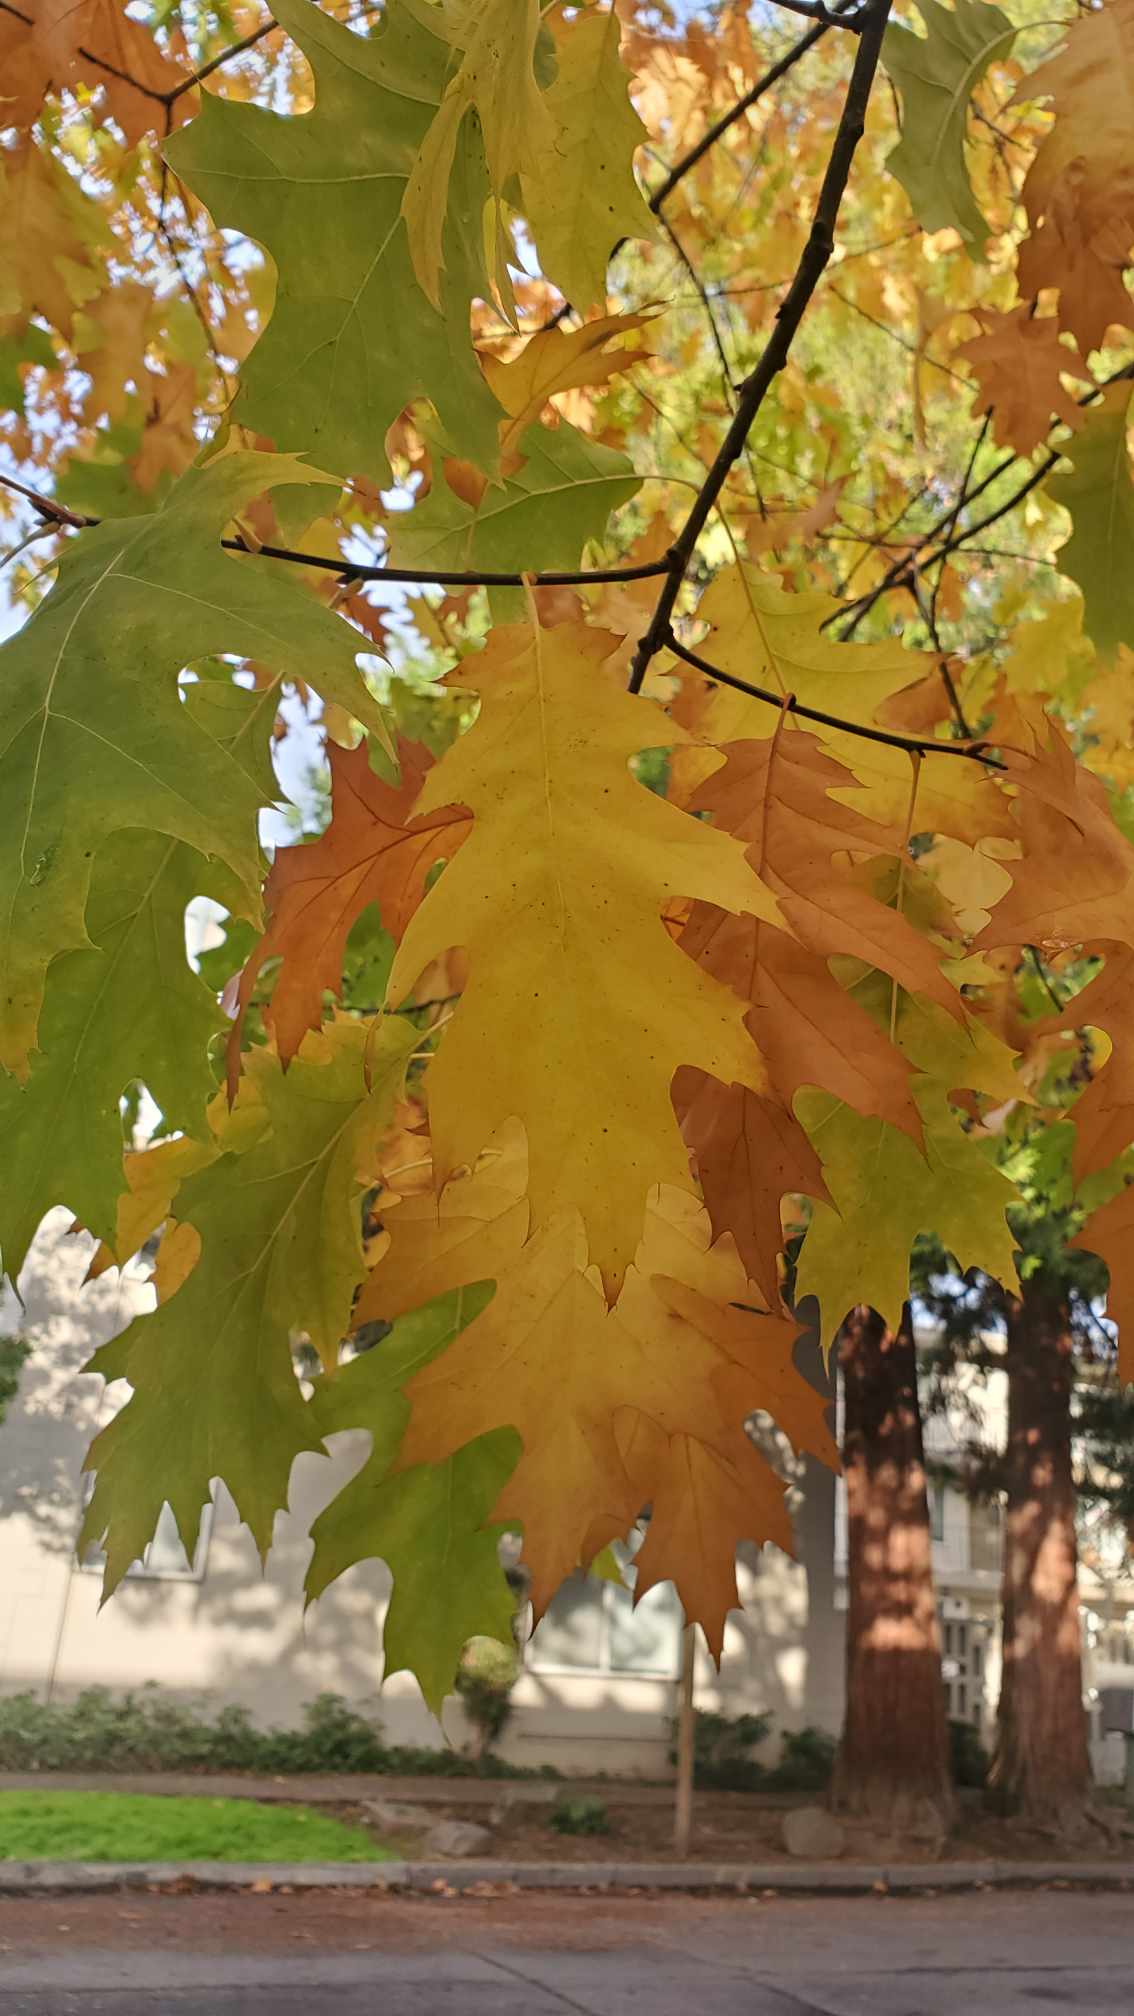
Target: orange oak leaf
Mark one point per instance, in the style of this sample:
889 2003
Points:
750 1153
1074 881
1079 190
1104 1112
705 1499
749 1150
97 41
667 1350
374 851
1109 1232
1019 361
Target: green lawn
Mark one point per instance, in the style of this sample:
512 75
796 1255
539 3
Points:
146 1827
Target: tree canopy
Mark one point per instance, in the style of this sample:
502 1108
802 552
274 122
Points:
671 465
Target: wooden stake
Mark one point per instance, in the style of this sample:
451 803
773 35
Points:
683 1800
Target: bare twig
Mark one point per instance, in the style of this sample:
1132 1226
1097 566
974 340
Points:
975 751
945 528
816 253
350 570
717 131
48 508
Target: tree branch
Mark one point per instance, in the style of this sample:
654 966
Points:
816 253
973 751
945 528
751 97
350 570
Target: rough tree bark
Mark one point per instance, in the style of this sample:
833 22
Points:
1041 1769
893 1760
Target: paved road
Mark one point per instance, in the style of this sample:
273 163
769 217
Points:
983 1955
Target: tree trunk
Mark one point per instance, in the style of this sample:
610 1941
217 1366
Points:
1041 1769
893 1760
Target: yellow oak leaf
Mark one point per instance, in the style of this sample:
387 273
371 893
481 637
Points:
580 194
472 1230
557 360
496 80
579 1007
774 638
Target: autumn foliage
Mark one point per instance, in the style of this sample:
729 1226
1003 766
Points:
680 488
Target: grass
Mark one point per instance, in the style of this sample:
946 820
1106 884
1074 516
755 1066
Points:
147 1827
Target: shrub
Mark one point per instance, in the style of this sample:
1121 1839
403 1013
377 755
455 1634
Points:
148 1730
807 1760
580 1816
722 1751
485 1678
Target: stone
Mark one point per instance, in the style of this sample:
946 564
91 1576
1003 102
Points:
457 1837
394 1814
813 1835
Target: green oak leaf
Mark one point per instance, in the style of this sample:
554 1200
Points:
560 497
428 1523
1099 494
352 339
215 1392
95 736
129 1007
580 195
885 1192
936 74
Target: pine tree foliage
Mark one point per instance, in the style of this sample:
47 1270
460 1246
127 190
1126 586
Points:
673 466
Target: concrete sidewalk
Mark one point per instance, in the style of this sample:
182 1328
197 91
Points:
1003 1955
702 1878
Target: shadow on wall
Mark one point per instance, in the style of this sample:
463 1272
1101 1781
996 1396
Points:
237 1634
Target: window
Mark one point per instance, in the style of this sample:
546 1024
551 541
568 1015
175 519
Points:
593 1627
937 1510
165 1559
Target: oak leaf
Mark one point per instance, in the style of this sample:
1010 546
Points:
937 74
215 1392
322 194
1109 1232
579 1007
51 236
1020 364
555 361
1079 190
430 1524
97 739
373 851
580 193
774 638
1099 494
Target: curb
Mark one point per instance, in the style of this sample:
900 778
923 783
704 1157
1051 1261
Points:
727 1878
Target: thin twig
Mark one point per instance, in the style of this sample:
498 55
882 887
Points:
58 514
816 253
975 752
226 56
459 578
945 527
717 131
